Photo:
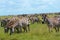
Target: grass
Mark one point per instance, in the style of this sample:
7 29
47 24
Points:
37 32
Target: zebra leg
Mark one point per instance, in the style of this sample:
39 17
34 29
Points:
58 29
55 29
1 24
39 21
13 29
20 28
28 27
6 30
36 21
43 21
10 31
50 28
17 30
25 28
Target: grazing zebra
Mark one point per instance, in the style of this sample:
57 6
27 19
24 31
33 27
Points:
4 22
44 18
53 23
18 23
34 19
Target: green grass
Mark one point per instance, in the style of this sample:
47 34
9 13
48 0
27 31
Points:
37 32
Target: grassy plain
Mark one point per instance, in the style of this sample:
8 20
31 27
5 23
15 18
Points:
37 32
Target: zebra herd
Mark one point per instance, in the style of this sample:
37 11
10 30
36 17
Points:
18 23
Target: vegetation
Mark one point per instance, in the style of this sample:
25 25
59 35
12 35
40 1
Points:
37 32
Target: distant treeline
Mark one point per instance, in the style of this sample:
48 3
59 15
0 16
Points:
36 14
